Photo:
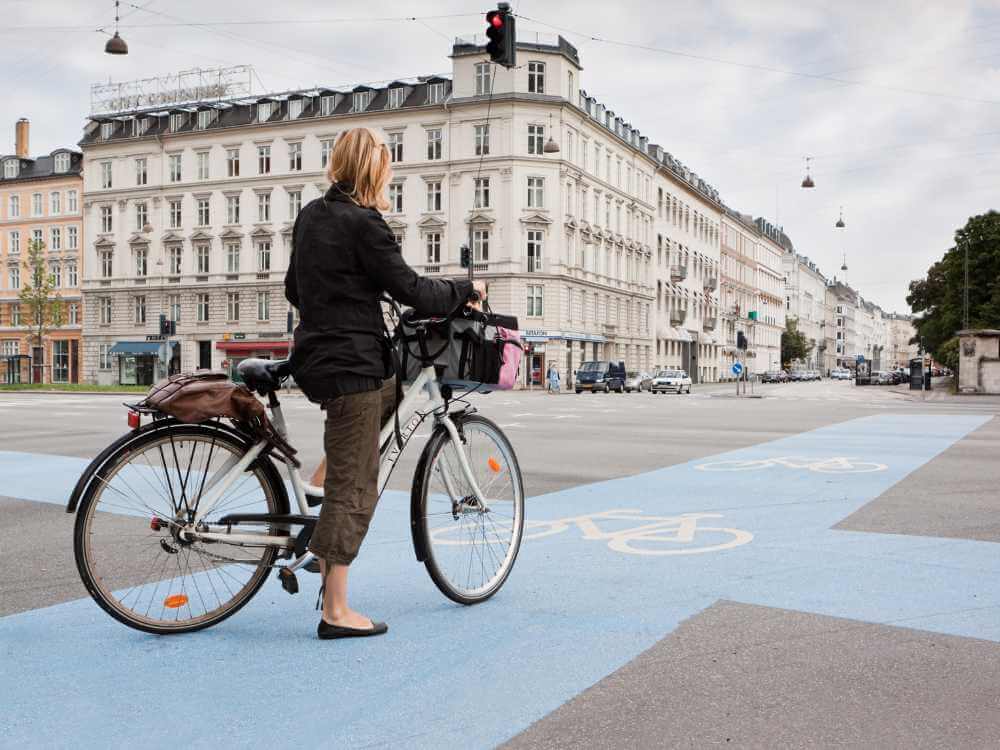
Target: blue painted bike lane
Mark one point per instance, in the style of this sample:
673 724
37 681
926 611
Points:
589 593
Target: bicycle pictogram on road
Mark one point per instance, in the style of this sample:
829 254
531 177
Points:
833 465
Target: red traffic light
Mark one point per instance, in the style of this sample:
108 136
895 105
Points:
496 21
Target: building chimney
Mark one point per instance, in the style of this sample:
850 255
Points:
21 138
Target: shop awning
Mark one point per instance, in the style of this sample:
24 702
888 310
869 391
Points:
138 347
246 347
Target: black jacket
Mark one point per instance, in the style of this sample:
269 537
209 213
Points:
343 258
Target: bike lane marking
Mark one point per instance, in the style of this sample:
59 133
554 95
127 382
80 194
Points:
573 611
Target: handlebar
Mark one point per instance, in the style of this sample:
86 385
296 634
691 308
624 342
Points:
413 322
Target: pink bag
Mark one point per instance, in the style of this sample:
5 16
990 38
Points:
512 352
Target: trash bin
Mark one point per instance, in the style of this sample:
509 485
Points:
916 374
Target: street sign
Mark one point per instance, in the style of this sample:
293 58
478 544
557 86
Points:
736 369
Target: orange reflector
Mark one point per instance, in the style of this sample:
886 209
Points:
175 600
494 465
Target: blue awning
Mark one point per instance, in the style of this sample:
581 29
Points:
138 347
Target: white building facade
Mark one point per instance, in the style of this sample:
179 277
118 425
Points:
805 301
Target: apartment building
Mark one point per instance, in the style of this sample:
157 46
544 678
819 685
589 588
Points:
805 302
40 200
899 350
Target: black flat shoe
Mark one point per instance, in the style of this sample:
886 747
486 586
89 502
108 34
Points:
326 631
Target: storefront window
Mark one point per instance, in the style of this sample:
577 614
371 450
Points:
60 361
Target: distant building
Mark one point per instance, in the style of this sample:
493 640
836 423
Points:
805 301
40 200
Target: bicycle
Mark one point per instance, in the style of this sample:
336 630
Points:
835 465
201 511
667 532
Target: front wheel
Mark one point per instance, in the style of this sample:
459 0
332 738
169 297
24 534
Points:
469 549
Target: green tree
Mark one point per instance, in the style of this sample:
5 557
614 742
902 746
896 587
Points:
938 297
43 305
794 344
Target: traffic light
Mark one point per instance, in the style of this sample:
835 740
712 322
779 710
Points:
466 256
500 30
741 340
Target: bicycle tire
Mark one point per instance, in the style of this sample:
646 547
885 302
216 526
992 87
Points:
277 503
419 509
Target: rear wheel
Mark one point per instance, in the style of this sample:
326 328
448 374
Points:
130 552
470 549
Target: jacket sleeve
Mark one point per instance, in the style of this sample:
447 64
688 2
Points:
291 281
383 262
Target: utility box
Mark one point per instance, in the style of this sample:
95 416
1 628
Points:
917 380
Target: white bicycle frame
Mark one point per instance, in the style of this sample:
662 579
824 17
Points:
230 472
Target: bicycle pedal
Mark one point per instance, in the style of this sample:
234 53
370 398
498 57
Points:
288 580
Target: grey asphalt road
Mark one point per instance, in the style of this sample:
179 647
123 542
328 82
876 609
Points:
734 675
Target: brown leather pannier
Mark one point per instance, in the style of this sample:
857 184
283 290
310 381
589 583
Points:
199 397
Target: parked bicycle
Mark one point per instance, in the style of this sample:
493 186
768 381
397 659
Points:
178 525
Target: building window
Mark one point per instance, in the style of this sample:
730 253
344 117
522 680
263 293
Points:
205 118
15 315
398 237
434 196
482 192
232 209
263 256
536 77
327 104
434 248
482 139
14 241
233 307
55 204
15 277
396 97
263 207
326 147
534 251
72 278
263 160
176 122
396 147
141 171
434 144
71 205
202 157
139 126
60 361
106 219
264 111
396 197
36 236
481 246
107 261
14 206
263 306
233 162
294 108
55 238
202 308
204 214
141 262
536 139
36 204
106 175
294 204
535 300
232 257
435 93
62 162
105 311
536 192
361 100
174 307
569 85
202 254
139 310
174 211
174 167
175 256
482 74
295 157
104 357
141 217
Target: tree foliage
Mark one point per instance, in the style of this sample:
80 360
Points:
794 344
937 299
38 294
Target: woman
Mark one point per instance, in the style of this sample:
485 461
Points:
343 258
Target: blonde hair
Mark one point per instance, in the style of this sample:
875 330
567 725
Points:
360 159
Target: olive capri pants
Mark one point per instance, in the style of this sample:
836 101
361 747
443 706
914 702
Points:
350 490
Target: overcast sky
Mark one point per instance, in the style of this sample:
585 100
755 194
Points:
907 138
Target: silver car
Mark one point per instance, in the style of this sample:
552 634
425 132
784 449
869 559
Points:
637 381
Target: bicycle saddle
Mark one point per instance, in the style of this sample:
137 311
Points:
263 375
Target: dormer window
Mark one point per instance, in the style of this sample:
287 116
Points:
205 118
294 108
139 126
396 97
10 168
61 162
361 100
536 77
177 121
436 93
264 111
327 104
107 129
482 77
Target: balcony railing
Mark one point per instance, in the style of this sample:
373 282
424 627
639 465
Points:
711 283
709 324
678 273
480 266
677 317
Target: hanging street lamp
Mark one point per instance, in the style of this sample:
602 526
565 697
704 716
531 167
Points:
116 45
807 182
840 221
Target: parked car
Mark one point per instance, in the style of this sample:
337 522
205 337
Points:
638 381
671 380
601 375
815 375
774 376
797 375
840 373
